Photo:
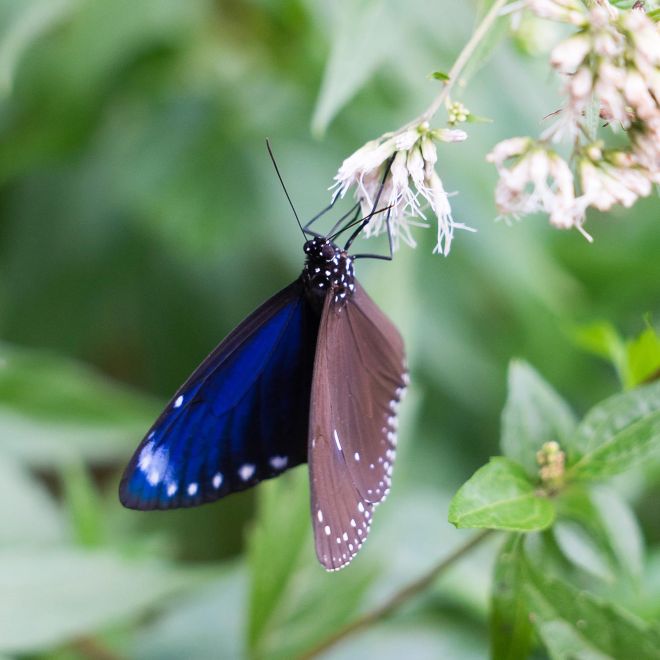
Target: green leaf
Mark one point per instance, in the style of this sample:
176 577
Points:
440 75
577 624
643 355
299 626
510 628
563 642
622 530
54 411
612 529
30 20
30 514
476 119
500 496
635 361
53 595
83 505
582 549
602 339
279 534
616 434
365 34
534 414
208 623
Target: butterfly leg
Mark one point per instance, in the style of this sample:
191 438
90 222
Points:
384 257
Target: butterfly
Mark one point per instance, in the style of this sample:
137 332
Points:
315 374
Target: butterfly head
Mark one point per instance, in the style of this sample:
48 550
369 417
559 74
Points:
328 268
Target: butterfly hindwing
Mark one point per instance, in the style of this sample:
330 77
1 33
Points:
359 379
241 417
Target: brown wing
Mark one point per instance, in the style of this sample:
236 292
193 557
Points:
359 379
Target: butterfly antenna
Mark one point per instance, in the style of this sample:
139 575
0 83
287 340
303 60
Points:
357 220
286 192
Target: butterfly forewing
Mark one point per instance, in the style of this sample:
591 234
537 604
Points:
359 379
240 418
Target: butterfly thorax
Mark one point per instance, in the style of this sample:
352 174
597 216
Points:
328 268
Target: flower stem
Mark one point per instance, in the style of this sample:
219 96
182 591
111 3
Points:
397 600
462 60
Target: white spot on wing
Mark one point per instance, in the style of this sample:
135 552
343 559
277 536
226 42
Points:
337 440
171 489
146 456
327 530
319 515
279 462
246 471
217 481
153 463
357 456
192 489
179 401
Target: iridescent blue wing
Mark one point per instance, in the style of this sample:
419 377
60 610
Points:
241 417
360 376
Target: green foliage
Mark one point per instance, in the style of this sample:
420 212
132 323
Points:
575 623
601 523
56 411
534 414
618 433
440 75
29 515
636 360
593 527
275 543
365 32
500 496
73 580
510 626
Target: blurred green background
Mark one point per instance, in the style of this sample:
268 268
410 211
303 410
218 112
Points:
140 220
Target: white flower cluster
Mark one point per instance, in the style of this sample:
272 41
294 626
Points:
410 184
614 59
533 178
612 70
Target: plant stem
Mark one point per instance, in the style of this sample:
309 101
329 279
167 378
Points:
464 57
398 599
461 62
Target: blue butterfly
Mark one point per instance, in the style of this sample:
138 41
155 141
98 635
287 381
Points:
315 374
